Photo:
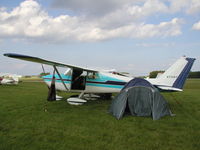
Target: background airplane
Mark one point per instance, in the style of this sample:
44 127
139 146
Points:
104 83
9 79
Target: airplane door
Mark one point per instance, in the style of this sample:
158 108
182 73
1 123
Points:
78 80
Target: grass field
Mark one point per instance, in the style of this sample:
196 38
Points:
29 122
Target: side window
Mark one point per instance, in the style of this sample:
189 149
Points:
92 75
68 72
84 73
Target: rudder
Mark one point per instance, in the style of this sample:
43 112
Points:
177 74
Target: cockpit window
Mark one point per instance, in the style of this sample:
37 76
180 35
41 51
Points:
92 75
68 72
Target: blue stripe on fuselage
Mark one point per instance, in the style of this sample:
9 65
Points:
64 77
105 85
100 81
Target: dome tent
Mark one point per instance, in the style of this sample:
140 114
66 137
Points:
138 82
139 98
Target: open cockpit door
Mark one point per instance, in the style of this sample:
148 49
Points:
78 79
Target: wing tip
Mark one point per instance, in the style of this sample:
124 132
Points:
6 54
11 54
15 55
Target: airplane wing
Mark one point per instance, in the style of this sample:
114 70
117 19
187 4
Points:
46 62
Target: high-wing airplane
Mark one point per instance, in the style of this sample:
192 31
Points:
9 79
104 83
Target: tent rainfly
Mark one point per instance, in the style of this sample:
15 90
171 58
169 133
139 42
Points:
139 98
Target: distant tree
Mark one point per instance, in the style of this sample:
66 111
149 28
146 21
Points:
195 74
154 74
44 74
27 76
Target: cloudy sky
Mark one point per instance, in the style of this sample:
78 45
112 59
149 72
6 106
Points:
135 36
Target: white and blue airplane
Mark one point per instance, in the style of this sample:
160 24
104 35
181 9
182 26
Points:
104 83
9 79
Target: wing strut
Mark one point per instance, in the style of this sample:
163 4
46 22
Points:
43 68
60 77
52 89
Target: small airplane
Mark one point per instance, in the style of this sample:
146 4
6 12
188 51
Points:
104 83
9 79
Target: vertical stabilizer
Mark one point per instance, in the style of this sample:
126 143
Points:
15 78
177 74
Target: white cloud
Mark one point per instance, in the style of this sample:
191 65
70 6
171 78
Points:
131 13
155 44
196 26
164 29
104 7
30 21
187 6
148 8
194 7
92 7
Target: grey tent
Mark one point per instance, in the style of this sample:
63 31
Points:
139 98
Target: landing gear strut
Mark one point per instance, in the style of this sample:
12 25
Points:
106 96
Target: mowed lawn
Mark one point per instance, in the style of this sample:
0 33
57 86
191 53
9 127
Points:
29 122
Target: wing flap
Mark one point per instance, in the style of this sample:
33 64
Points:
43 61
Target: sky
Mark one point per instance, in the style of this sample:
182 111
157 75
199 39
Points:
135 36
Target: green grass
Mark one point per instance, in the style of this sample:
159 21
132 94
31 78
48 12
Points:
24 79
28 121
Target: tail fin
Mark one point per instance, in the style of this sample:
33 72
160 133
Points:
174 78
15 78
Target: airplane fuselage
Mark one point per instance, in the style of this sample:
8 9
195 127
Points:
99 83
8 82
